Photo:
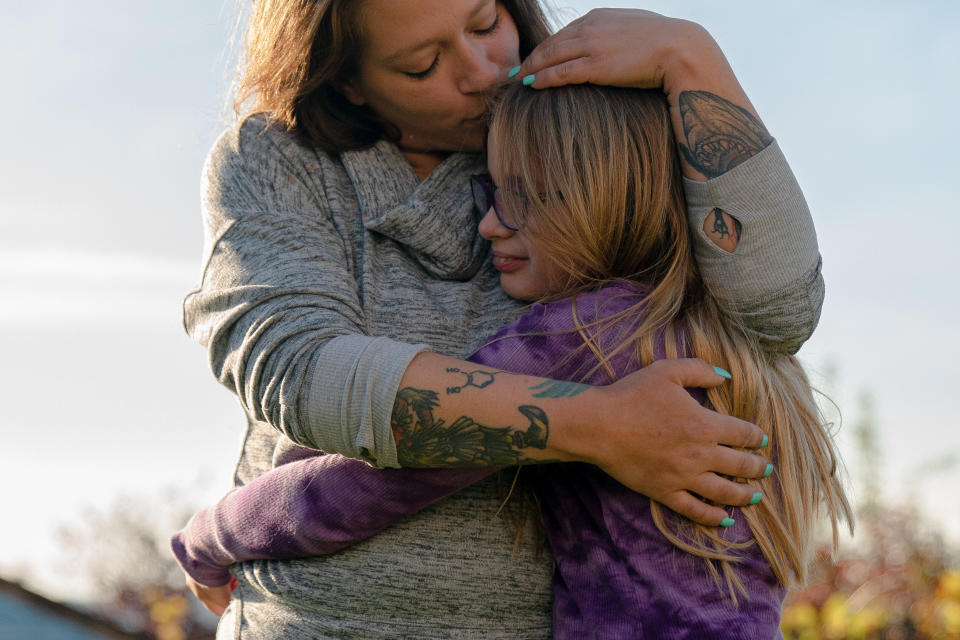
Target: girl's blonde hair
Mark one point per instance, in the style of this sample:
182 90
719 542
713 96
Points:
593 174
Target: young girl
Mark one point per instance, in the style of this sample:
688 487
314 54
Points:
584 210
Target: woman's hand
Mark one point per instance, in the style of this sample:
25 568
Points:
714 123
625 48
215 599
653 437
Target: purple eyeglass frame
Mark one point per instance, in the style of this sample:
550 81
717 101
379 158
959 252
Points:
485 196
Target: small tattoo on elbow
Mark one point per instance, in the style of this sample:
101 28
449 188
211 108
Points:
721 230
719 224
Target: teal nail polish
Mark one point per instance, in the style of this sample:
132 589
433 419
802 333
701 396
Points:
723 373
726 522
513 71
766 439
769 470
757 497
528 80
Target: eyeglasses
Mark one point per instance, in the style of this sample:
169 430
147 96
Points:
486 195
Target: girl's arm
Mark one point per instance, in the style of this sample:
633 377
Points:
309 507
754 238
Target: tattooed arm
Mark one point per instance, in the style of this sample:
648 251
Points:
754 238
715 125
644 430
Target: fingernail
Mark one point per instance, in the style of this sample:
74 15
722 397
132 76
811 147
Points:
723 373
757 497
726 522
528 80
769 470
513 71
766 439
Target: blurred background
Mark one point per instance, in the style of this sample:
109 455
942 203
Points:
114 429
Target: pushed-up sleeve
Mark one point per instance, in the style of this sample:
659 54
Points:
771 282
278 306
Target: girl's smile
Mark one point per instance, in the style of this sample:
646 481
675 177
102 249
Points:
506 263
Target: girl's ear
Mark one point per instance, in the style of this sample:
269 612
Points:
350 92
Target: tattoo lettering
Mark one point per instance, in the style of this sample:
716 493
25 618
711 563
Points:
558 389
719 134
426 441
478 379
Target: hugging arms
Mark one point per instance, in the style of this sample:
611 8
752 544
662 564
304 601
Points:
326 275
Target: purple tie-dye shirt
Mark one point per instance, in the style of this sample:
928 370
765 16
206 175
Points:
616 575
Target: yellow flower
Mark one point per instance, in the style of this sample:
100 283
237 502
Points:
798 617
866 621
949 614
835 616
949 587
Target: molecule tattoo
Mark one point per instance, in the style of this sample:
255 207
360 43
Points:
478 379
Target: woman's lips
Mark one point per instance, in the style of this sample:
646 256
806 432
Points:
506 264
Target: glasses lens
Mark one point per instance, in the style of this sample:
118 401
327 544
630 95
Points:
485 195
481 193
502 210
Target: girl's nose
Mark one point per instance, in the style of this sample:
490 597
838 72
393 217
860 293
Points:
490 226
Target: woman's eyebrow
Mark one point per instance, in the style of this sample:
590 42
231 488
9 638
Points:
393 57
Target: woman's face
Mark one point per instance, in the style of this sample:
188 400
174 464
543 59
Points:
426 65
526 272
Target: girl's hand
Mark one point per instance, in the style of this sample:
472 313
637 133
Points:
215 599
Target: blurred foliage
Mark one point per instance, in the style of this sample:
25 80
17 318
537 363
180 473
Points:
897 579
124 553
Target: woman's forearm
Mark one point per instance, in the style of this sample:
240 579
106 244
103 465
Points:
754 237
644 430
716 126
450 412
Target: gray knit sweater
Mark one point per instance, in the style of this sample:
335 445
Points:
324 276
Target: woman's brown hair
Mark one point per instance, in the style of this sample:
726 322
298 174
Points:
298 53
596 172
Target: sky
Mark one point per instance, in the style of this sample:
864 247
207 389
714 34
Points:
110 107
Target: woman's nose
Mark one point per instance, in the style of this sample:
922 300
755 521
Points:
479 72
490 226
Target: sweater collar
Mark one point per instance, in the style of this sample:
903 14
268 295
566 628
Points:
434 218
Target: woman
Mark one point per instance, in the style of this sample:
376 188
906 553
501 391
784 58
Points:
331 264
624 294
